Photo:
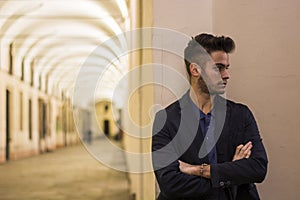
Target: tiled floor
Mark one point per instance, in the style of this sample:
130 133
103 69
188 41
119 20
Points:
68 173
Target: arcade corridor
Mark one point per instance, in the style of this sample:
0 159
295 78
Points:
68 173
74 71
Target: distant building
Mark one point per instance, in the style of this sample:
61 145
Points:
107 117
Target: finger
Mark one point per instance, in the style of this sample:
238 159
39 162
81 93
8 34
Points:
249 143
247 146
238 149
181 166
248 154
245 153
237 155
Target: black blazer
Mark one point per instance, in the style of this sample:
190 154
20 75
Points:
177 136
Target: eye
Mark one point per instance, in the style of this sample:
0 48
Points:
222 67
216 67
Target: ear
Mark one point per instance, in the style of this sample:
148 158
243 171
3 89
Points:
195 69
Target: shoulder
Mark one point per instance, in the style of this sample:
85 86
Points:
173 107
171 111
165 117
234 106
239 110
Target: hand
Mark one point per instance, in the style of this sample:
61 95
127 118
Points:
242 151
194 169
187 168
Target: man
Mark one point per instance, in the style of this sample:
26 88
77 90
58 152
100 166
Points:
204 146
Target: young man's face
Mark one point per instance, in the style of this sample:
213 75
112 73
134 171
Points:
215 74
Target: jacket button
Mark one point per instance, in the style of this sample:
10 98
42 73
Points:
222 183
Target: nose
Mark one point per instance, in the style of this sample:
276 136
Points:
225 74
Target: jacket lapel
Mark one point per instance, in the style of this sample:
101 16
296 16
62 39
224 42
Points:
222 129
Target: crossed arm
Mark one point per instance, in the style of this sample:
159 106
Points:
242 151
180 179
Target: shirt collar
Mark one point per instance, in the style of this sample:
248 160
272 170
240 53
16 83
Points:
199 113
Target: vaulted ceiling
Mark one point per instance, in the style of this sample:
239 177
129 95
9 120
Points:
58 38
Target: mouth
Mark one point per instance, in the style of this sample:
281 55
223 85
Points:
223 84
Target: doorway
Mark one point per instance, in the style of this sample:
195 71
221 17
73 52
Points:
106 127
7 125
42 125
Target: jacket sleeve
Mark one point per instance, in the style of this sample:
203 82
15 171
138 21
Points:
173 184
243 171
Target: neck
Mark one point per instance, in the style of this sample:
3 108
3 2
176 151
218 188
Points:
203 100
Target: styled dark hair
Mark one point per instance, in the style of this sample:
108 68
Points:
200 47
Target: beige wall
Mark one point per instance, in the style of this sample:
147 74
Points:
183 19
188 18
140 100
157 13
265 74
20 145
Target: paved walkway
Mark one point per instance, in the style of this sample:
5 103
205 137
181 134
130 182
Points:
68 173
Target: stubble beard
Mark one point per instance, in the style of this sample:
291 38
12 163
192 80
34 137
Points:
202 87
